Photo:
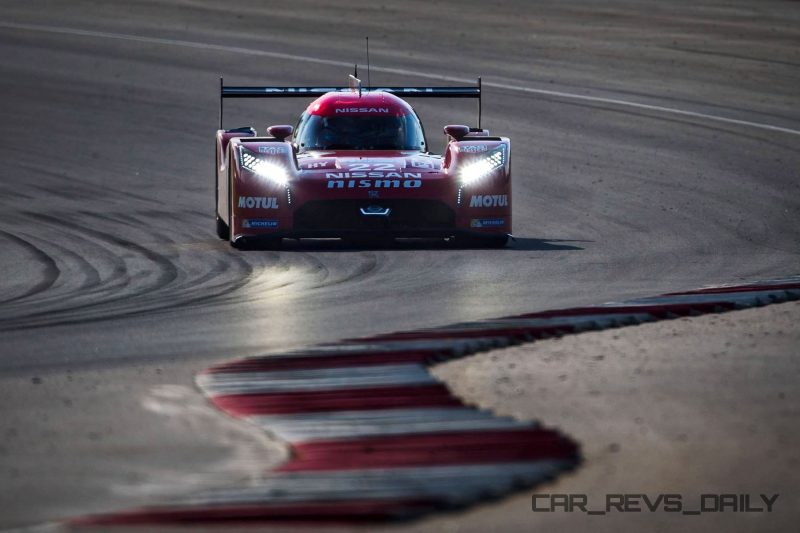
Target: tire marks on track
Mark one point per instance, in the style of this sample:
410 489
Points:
103 275
100 266
50 274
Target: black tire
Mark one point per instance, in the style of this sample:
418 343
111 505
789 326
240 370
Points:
257 243
271 243
368 241
223 231
482 241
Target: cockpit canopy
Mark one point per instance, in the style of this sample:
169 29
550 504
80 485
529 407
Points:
347 121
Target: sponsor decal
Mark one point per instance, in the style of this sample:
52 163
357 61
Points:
258 202
407 90
421 163
323 90
375 184
289 90
259 223
489 200
473 148
272 150
487 222
372 174
362 110
374 165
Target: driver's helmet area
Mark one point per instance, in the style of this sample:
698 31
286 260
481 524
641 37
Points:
345 121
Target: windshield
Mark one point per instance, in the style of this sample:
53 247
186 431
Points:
359 132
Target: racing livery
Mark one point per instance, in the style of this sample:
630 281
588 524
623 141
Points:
357 167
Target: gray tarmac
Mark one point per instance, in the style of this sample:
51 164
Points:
682 172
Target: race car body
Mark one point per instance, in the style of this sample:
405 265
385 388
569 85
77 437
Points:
357 166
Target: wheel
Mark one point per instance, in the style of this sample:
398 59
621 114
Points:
483 241
223 231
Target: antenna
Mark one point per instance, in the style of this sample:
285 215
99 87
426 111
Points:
480 95
220 102
355 70
369 81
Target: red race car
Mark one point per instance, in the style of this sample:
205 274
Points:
357 167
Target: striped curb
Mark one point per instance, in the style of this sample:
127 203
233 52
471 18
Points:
374 437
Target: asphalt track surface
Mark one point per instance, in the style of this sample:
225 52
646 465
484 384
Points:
656 147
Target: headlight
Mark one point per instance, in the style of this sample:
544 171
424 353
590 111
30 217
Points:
477 170
265 169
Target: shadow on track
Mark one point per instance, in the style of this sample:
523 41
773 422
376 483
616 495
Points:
337 245
543 245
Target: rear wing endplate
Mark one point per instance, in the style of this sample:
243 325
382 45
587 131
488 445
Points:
312 92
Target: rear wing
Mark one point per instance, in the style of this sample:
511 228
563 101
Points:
312 92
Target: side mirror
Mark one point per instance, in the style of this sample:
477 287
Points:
457 132
280 132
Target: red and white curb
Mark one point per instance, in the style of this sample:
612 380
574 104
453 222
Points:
375 437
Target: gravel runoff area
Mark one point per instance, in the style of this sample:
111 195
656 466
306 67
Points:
695 405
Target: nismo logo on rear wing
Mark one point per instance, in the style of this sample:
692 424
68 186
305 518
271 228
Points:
441 92
282 92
